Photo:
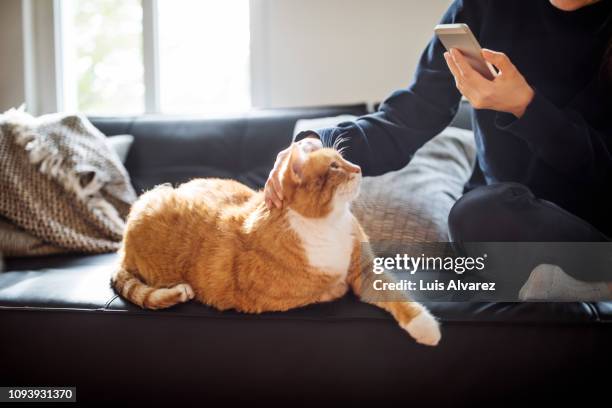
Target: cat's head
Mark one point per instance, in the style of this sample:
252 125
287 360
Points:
318 182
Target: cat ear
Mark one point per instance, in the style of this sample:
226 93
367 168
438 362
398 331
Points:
295 164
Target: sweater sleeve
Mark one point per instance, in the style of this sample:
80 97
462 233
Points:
563 138
386 140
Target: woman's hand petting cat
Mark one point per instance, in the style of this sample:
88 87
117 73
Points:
273 191
507 92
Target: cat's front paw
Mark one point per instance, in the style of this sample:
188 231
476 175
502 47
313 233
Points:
424 328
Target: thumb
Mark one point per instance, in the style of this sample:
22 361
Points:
499 59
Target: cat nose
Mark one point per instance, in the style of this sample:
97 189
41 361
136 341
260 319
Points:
352 168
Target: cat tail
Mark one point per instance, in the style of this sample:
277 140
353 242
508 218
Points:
149 297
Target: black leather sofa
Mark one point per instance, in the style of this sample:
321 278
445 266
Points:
61 324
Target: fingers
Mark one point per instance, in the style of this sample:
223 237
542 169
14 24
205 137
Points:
470 77
466 69
310 144
499 59
277 189
454 69
463 75
273 190
271 194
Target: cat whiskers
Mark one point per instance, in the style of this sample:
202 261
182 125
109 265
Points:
337 143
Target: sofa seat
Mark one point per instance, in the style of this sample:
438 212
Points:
81 283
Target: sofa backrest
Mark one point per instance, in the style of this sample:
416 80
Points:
176 149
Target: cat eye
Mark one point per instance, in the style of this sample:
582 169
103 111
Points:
334 165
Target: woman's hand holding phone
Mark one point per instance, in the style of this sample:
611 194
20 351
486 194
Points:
507 92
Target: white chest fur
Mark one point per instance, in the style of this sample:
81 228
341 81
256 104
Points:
328 242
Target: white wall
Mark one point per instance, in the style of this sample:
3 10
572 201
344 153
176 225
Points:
317 52
12 88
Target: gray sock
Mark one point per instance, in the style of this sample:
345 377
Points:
549 282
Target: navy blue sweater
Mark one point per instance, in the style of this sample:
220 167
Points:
561 147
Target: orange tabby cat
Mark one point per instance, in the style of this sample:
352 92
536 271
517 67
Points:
216 241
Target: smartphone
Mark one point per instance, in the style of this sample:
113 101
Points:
460 36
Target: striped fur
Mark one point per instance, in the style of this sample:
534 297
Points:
149 297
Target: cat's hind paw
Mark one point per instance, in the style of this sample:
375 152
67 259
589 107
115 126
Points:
424 328
186 292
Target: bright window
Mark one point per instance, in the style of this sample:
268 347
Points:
103 55
201 61
204 55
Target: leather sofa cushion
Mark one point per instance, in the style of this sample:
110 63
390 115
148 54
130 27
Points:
81 283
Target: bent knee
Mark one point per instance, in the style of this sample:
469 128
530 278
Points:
488 213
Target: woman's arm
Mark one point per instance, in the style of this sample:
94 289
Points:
565 139
386 140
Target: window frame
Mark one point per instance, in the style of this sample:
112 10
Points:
150 56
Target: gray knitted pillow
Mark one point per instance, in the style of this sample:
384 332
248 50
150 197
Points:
411 205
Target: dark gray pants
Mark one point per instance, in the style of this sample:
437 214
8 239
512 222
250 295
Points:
509 212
